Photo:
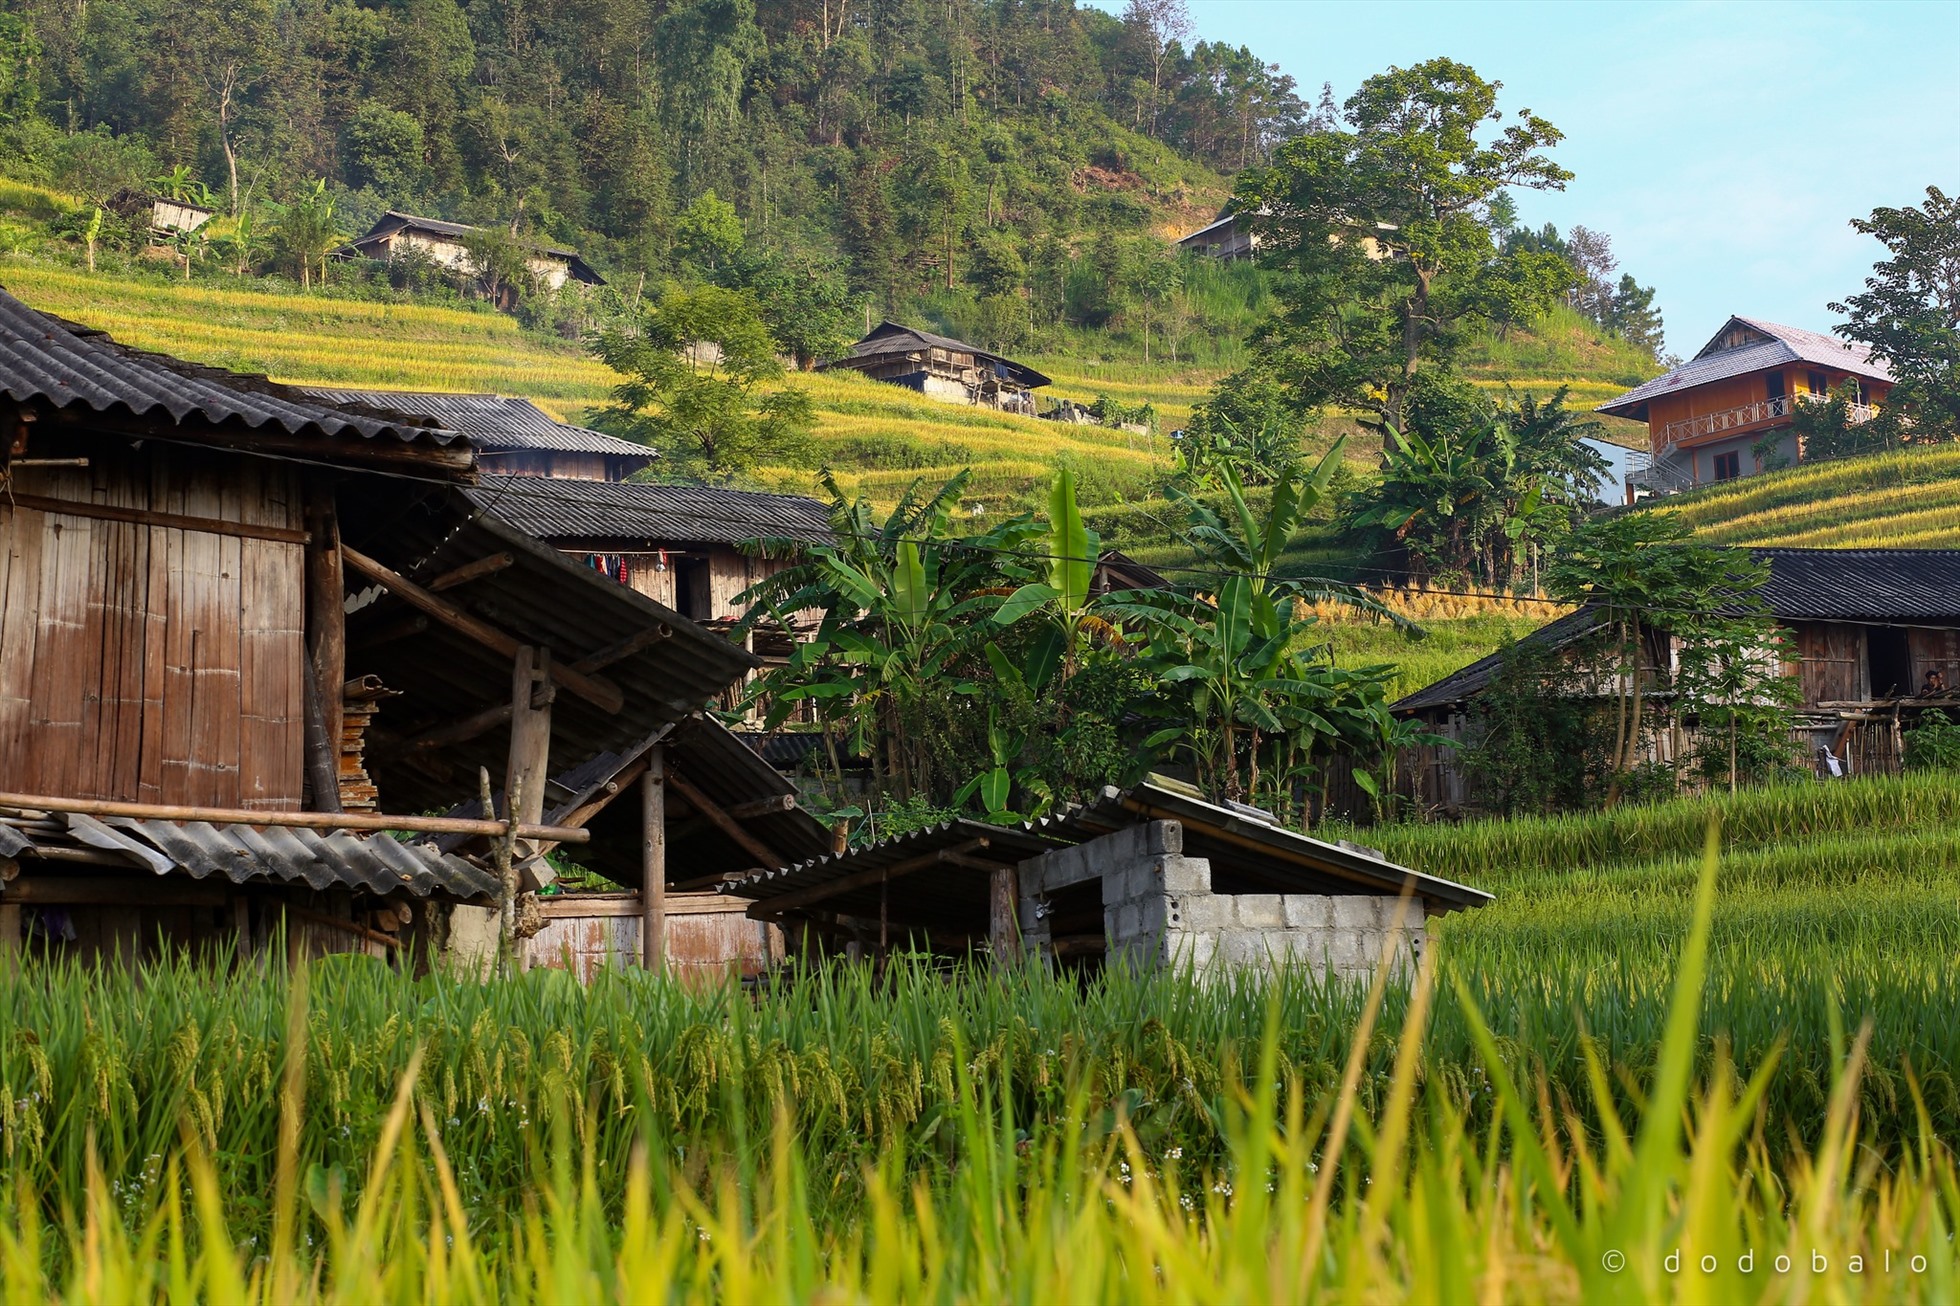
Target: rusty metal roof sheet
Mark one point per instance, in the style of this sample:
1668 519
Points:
45 360
242 854
620 514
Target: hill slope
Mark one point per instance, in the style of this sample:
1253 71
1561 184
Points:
1907 500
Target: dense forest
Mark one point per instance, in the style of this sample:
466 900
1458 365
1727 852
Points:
966 151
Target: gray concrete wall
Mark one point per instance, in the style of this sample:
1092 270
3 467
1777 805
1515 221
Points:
1159 909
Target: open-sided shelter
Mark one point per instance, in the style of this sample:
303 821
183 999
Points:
1154 874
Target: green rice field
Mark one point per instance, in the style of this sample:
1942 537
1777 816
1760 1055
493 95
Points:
1657 1040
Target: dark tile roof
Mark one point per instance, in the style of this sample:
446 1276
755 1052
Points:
493 422
893 338
1786 345
1870 586
1892 586
45 360
628 514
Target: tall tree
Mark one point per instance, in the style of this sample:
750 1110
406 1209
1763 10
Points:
1383 229
701 386
1909 312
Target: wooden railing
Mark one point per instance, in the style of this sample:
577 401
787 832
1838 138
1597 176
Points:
1745 415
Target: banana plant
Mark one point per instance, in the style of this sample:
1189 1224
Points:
1065 591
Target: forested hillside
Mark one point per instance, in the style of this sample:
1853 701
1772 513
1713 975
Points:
1003 166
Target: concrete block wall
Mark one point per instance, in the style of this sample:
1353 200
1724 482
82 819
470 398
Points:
1159 909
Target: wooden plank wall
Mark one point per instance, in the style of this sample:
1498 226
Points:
1831 661
151 663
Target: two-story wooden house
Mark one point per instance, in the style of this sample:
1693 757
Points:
1729 410
940 367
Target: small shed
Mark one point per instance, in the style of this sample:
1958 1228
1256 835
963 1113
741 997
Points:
165 217
941 367
1153 874
513 437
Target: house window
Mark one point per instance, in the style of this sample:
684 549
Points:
1773 385
1728 465
1819 383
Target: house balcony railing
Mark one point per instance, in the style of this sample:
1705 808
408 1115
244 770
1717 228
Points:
1675 434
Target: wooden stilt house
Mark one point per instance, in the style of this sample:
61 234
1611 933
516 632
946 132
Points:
243 626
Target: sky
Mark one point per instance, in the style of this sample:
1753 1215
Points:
1724 147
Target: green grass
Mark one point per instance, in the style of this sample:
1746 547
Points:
1907 499
964 1135
1448 644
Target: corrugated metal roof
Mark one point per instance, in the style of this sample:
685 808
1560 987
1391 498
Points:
1285 859
491 421
541 599
620 514
1787 345
1869 586
46 360
242 854
894 338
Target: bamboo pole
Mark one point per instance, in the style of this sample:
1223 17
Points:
298 820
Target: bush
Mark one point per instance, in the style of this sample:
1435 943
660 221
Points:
1933 744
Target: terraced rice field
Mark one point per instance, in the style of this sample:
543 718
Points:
1904 500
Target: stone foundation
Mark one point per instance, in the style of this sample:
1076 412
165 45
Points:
1159 909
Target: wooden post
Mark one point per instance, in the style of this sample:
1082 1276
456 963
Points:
1003 902
653 861
9 936
531 692
326 642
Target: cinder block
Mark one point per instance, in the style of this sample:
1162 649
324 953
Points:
1306 911
1181 874
1197 950
1173 912
1243 948
1355 912
1260 911
1150 915
1164 838
1200 911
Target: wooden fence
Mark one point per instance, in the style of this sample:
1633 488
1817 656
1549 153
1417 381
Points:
709 938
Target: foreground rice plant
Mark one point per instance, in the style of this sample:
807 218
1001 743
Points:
1334 1194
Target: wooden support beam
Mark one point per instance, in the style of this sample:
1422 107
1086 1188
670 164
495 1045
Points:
628 777
470 571
653 861
1003 913
10 925
775 906
458 732
413 624
762 807
148 517
326 642
602 694
529 764
727 824
638 641
296 820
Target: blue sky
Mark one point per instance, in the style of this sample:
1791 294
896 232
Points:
1722 146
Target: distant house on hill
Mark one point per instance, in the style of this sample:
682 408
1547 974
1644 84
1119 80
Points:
1708 418
940 367
1868 627
446 244
513 436
1224 238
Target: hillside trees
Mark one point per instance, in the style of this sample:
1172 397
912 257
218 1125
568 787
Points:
1382 233
699 371
1909 314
